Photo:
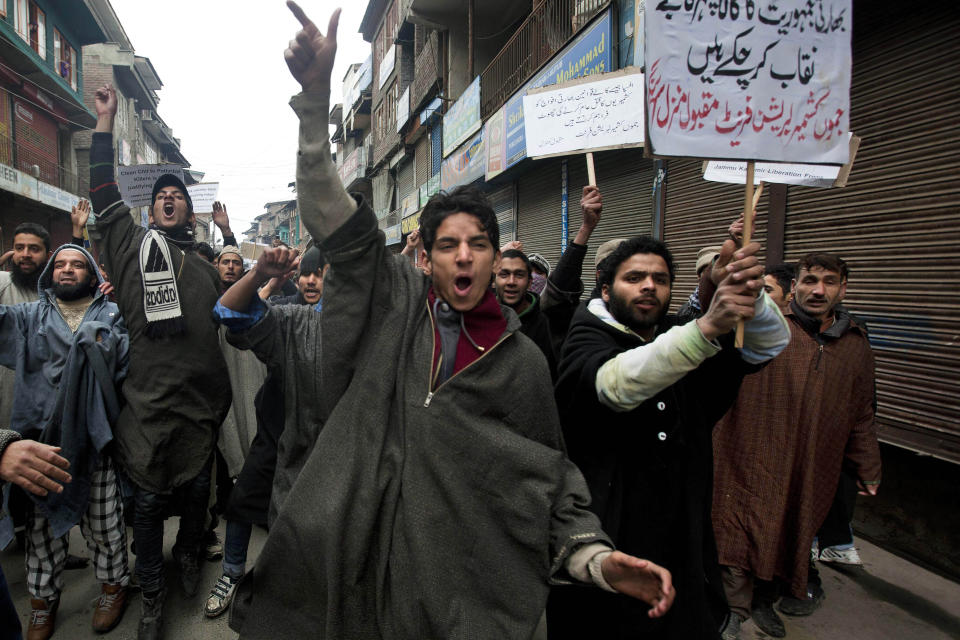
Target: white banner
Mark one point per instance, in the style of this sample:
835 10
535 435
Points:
585 115
136 181
749 80
808 175
203 195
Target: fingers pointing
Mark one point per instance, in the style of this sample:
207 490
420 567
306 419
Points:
332 26
300 15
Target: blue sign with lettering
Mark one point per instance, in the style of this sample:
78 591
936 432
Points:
588 54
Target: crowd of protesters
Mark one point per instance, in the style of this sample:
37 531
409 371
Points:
449 443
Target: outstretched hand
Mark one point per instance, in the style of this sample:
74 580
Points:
310 55
79 214
277 262
738 275
34 466
220 217
640 579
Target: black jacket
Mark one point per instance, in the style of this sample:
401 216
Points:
536 326
650 473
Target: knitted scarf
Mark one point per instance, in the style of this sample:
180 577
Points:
161 299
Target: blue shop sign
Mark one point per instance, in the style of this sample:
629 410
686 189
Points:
588 54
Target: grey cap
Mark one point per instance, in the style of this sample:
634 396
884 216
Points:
606 249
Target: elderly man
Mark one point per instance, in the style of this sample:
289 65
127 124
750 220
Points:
69 350
780 448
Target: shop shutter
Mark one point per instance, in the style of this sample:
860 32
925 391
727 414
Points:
382 192
697 214
503 201
423 156
436 143
625 180
405 180
897 222
538 208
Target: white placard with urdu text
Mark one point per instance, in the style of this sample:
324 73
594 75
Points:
749 80
585 114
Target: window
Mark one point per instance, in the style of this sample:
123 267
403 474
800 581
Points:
20 19
38 30
65 59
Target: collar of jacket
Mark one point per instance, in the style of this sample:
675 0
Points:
533 308
483 326
843 322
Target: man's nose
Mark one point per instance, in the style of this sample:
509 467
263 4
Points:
463 252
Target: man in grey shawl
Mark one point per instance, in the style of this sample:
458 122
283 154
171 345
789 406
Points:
437 501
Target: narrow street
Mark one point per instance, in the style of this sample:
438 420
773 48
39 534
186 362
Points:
889 599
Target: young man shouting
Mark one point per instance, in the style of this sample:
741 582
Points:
437 501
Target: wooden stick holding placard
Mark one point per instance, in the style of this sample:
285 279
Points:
591 174
748 206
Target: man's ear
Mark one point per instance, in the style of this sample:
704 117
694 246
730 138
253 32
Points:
605 292
425 262
793 287
496 261
843 290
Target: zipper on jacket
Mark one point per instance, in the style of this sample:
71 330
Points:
432 377
819 356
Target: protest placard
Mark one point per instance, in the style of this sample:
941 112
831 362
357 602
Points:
749 80
136 181
203 195
587 114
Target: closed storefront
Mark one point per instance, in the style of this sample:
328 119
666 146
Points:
538 208
504 200
698 214
897 222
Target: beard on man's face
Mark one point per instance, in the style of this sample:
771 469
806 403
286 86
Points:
25 278
76 291
626 313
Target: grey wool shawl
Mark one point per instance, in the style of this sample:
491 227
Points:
417 518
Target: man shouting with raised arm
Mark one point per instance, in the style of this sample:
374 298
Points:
176 392
437 501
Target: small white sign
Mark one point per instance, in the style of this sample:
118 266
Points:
136 181
808 175
203 195
585 115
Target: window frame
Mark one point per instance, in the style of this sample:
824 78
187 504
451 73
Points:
39 45
60 43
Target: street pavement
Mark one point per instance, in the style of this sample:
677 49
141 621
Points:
888 599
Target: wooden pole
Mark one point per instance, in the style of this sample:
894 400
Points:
591 174
749 203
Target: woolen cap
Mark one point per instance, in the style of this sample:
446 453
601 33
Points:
229 249
170 180
705 257
606 249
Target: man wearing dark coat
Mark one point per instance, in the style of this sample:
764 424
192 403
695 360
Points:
175 391
437 501
639 394
512 282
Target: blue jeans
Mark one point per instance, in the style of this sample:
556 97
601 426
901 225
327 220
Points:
235 548
150 510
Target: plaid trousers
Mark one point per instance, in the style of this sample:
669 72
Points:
102 528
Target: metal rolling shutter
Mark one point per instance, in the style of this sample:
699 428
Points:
405 180
696 215
503 201
538 208
625 180
423 157
897 222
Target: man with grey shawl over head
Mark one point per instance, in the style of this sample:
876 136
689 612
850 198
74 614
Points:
176 394
437 501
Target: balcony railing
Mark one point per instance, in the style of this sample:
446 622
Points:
426 72
548 27
20 157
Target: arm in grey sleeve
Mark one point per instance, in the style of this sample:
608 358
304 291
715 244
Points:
766 334
324 204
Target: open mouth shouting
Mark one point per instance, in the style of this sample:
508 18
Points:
462 285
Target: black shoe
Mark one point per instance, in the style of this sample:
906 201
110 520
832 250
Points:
189 571
768 621
151 616
731 630
806 606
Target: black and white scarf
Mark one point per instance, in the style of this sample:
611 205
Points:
161 298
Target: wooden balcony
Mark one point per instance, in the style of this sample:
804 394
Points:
545 31
426 74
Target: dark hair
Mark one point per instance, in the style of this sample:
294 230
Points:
466 199
639 244
33 229
826 261
516 253
206 251
783 274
